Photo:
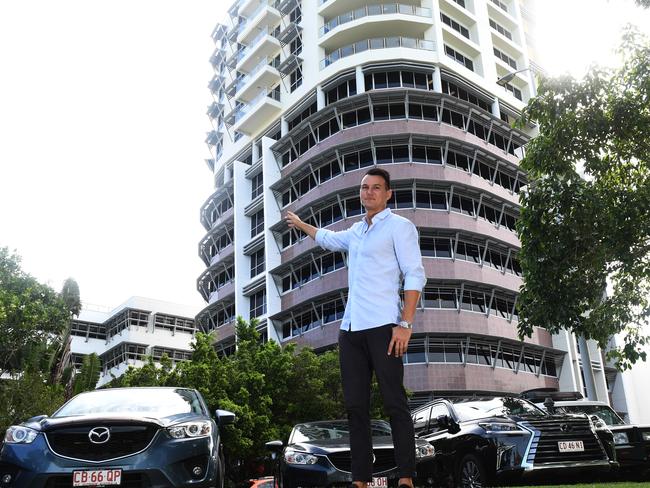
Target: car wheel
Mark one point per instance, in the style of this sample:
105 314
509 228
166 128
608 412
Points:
471 473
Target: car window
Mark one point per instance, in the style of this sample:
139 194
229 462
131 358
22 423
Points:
602 411
437 410
421 420
471 409
148 402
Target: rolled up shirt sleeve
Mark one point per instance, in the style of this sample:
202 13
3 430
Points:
334 241
409 257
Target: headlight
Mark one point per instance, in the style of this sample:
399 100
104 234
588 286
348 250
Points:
620 438
17 434
297 457
646 436
424 451
190 430
501 428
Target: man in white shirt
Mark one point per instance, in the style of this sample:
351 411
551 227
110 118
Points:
383 250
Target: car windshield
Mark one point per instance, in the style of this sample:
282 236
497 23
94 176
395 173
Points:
333 430
604 412
476 408
147 402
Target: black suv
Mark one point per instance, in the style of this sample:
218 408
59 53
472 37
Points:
482 440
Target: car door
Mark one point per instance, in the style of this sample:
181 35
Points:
439 436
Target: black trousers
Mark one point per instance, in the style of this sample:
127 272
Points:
361 353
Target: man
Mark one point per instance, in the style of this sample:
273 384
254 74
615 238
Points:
374 333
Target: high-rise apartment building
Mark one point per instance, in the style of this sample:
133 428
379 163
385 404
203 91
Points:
307 96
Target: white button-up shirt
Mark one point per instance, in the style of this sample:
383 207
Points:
379 256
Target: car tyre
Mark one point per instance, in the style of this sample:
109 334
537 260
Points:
471 473
221 470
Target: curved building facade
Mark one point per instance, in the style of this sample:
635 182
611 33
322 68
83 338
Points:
307 96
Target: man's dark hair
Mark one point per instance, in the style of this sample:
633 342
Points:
380 172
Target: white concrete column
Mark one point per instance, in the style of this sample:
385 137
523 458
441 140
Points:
437 80
284 126
272 215
242 234
361 81
496 109
320 98
255 152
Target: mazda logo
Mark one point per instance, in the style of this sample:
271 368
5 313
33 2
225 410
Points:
565 427
99 435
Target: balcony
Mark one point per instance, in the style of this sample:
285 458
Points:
264 17
216 83
219 33
250 117
265 73
264 44
398 18
374 44
289 33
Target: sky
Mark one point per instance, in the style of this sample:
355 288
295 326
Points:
102 128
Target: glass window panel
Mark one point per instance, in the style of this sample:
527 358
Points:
438 201
421 81
397 111
422 199
400 154
365 158
429 112
381 112
427 247
349 119
453 353
415 111
419 154
443 248
384 155
434 155
381 80
363 115
393 79
408 79
436 352
448 298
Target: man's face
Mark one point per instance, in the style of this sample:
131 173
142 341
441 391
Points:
373 193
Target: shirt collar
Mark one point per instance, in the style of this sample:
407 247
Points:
380 216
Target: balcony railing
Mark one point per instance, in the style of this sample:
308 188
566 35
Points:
274 94
244 21
267 61
377 43
368 10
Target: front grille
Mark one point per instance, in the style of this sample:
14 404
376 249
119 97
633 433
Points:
73 442
131 480
384 460
544 448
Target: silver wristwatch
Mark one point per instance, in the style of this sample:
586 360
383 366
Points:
405 324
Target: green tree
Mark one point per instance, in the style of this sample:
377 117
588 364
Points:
586 212
31 313
27 395
88 376
71 296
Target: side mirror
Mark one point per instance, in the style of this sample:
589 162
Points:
445 422
224 417
275 447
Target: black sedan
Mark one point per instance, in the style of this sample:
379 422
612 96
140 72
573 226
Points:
318 454
128 437
479 441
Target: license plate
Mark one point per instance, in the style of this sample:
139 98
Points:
97 477
571 446
378 483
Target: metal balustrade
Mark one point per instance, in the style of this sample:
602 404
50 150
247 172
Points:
371 10
376 43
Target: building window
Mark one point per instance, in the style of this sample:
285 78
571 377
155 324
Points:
296 15
258 304
505 58
314 316
459 58
341 91
312 270
501 5
257 223
500 29
464 31
460 2
257 262
295 46
312 109
296 78
516 92
257 184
